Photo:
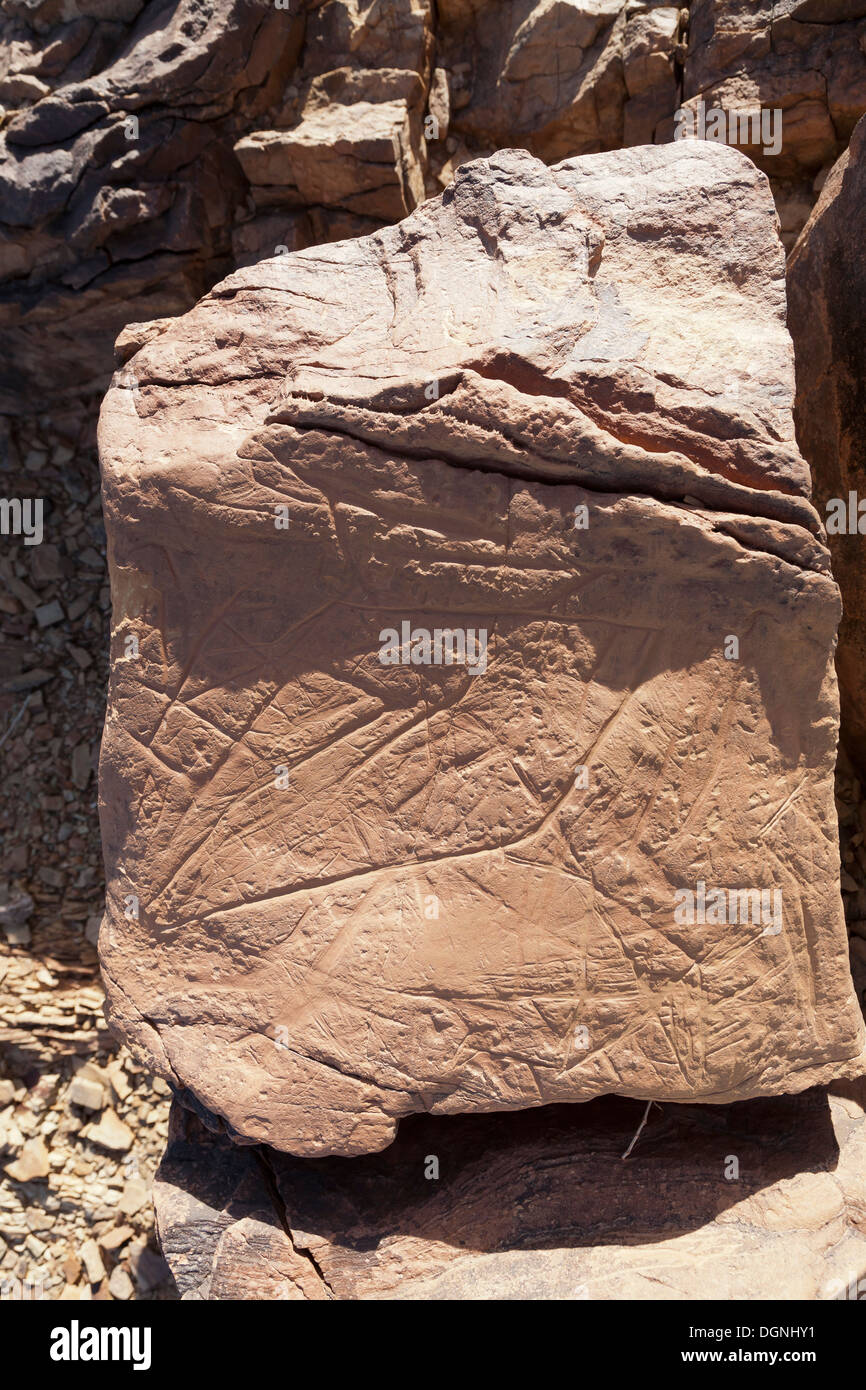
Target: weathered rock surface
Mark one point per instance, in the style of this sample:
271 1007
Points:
827 295
118 187
148 147
138 144
805 57
361 156
553 406
606 64
763 1199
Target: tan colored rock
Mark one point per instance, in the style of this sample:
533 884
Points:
89 1094
553 406
92 1261
133 1197
119 1284
21 89
364 157
111 1133
31 1163
117 1236
118 1080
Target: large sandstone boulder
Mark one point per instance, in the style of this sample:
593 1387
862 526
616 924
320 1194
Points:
472 719
827 298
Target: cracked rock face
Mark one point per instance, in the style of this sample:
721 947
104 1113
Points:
417 1222
806 58
118 185
149 147
826 292
541 428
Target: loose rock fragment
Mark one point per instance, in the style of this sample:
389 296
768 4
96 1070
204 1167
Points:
88 1094
31 1163
92 1261
111 1133
119 1284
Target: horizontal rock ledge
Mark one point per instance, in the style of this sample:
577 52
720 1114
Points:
727 1202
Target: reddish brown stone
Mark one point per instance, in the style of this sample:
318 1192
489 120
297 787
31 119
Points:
367 889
